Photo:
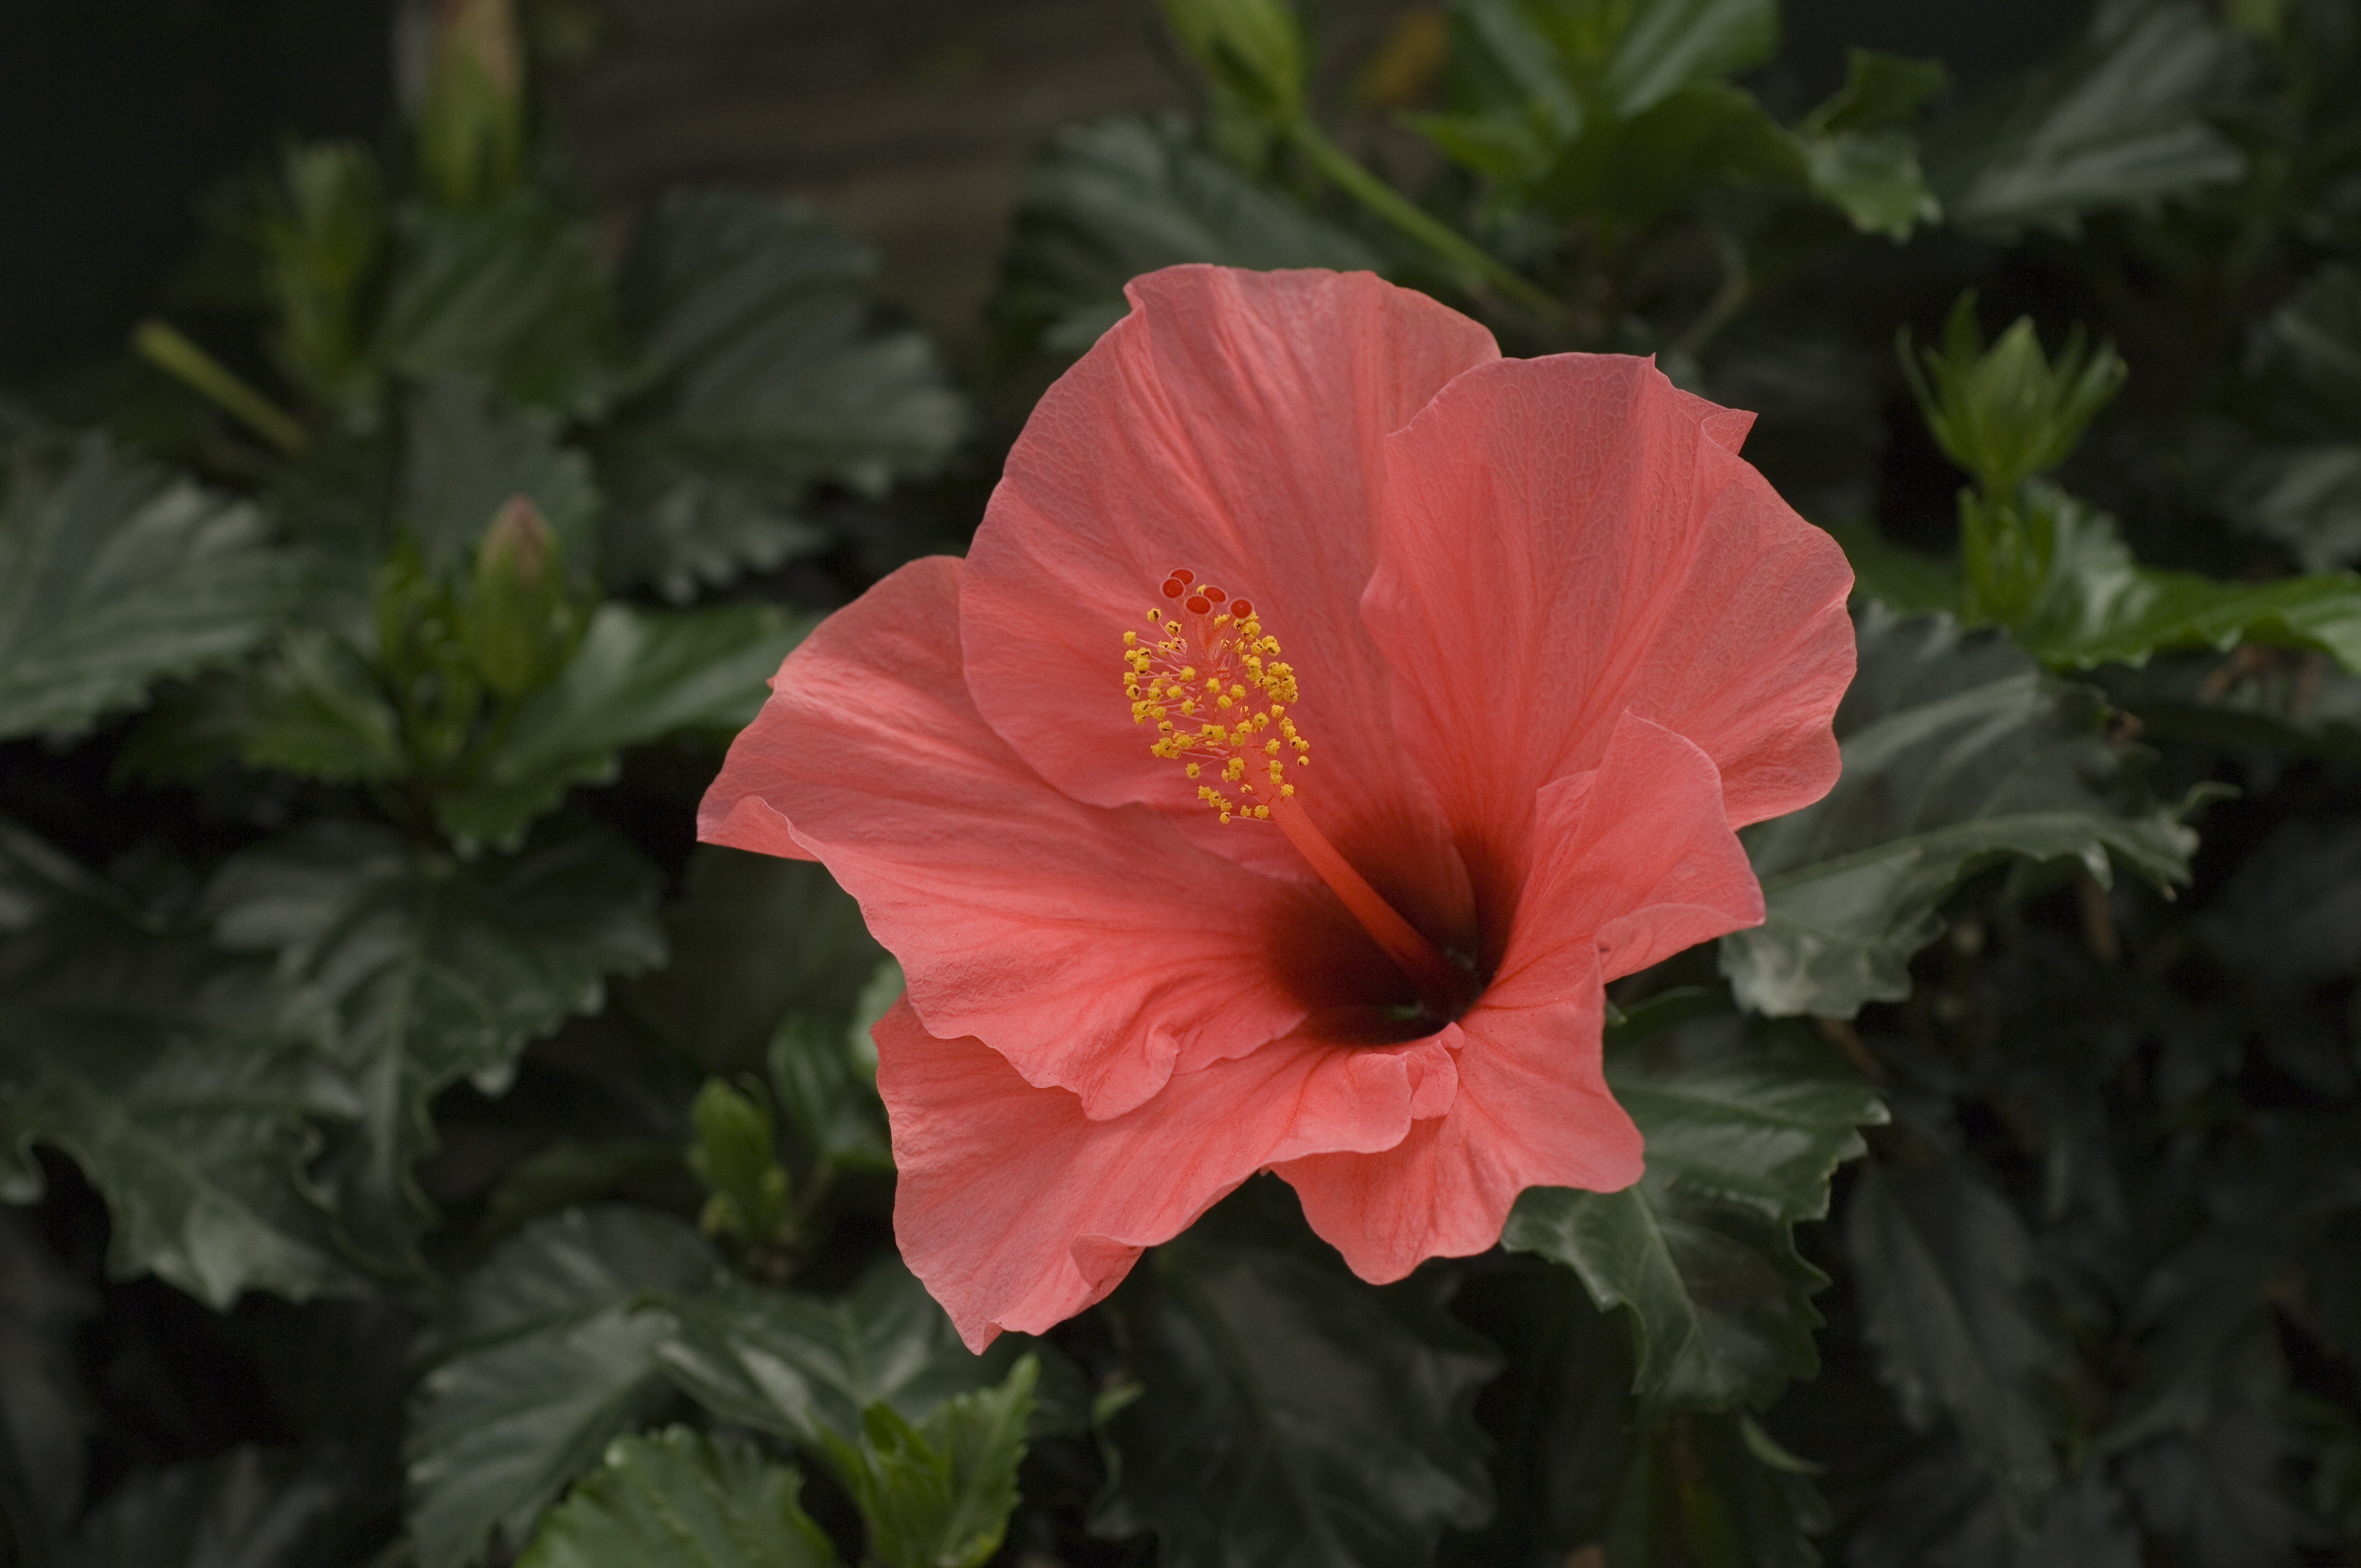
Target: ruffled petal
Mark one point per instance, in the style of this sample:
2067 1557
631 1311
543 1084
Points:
1533 1110
1570 537
1633 863
1019 1211
1234 424
1096 949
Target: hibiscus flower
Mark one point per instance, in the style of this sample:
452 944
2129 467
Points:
1327 709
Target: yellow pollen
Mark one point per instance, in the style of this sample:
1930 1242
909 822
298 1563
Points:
1211 660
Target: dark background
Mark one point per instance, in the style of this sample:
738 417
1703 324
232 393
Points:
904 121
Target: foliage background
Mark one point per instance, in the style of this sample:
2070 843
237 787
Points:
418 1151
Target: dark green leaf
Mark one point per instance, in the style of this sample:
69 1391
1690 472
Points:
311 706
2097 606
1560 1414
938 1493
1944 1270
1671 44
1881 91
1742 1141
1105 203
1958 752
1874 178
1634 174
466 451
512 290
164 1068
46 1414
825 1077
678 1499
2117 121
637 676
2255 699
1716 1492
247 1508
754 937
1903 580
434 969
772 373
1292 1416
798 1366
115 575
2302 487
545 1360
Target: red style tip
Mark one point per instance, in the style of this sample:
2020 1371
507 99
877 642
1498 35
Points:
1174 590
1212 594
1198 604
1182 575
1241 608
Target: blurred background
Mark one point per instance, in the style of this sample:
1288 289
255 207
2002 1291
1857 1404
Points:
905 121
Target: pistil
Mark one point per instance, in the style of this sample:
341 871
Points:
1208 677
1445 988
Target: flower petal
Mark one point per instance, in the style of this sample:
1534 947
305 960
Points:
1019 1211
1533 1110
1566 538
1234 424
1633 862
1096 949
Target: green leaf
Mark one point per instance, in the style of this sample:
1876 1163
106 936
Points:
2114 123
2254 699
1560 1413
466 451
512 290
1901 579
433 970
2097 606
1881 91
1632 175
1671 44
1742 1141
2302 487
1104 202
1944 1270
796 1365
771 373
1958 752
166 1071
251 1507
938 1493
311 706
754 938
1714 1490
1291 1415
1874 178
544 1359
114 575
826 1080
638 676
1253 49
679 1500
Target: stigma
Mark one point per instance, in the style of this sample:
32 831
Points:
1210 679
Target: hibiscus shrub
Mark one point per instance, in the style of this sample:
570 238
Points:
1392 935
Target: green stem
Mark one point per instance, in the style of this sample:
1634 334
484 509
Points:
1419 223
172 351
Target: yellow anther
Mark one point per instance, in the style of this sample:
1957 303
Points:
1220 668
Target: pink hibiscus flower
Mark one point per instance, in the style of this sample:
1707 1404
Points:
1328 708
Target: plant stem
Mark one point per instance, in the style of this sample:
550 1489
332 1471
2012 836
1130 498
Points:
171 350
1419 223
